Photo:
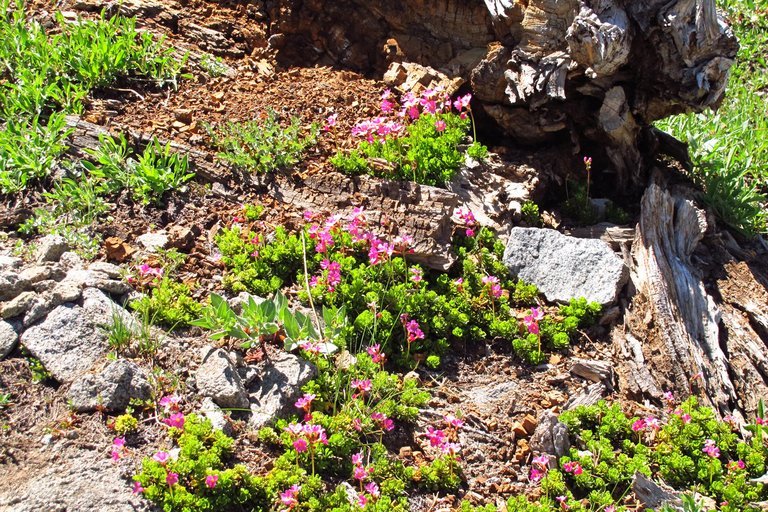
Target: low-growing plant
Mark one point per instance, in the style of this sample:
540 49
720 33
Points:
530 214
29 150
125 424
421 144
167 302
263 145
213 66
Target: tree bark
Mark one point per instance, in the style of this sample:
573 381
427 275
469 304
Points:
688 330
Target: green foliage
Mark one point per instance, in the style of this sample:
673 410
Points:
424 155
610 447
530 214
202 452
57 71
213 66
263 145
148 176
125 424
119 333
29 150
477 151
168 303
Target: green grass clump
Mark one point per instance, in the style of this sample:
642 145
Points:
264 145
45 75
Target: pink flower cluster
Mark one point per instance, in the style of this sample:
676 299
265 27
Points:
650 423
289 497
532 321
330 275
573 468
363 387
371 129
444 439
494 288
305 403
466 218
377 356
118 448
412 328
383 422
149 271
540 468
175 420
362 473
711 449
306 436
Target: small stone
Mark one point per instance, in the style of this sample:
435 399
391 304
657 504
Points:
550 436
9 262
113 388
280 386
218 379
44 286
183 115
70 260
218 419
108 269
117 249
183 237
596 371
153 241
32 275
18 305
10 285
519 430
50 248
406 452
8 339
529 423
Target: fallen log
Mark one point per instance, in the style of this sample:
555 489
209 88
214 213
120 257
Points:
685 331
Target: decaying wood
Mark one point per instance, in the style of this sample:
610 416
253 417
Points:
420 211
600 71
680 335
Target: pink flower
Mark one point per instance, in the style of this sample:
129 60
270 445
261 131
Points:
161 457
308 215
440 125
359 473
453 421
376 355
414 331
638 425
115 455
373 489
734 465
492 282
362 501
315 434
711 449
357 459
542 461
387 106
300 445
146 270
383 422
537 314
588 161
416 274
436 437
364 386
170 402
311 348
330 122
563 502
573 467
669 396
536 475
450 448
137 488
462 102
610 508
211 481
118 442
305 402
175 420
469 232
402 242
288 497
172 479
652 423
465 216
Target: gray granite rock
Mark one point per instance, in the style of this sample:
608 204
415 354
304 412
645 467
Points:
73 338
213 412
18 305
8 339
112 388
153 241
280 386
564 267
218 379
50 248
